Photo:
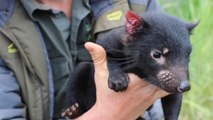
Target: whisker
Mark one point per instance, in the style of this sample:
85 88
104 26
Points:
127 62
123 63
119 59
196 42
146 45
140 45
195 82
119 51
116 50
194 79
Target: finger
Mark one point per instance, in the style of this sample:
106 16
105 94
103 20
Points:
136 81
161 93
98 55
152 91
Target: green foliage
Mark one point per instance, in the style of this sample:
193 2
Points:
198 102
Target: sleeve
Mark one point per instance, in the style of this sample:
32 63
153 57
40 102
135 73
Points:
11 106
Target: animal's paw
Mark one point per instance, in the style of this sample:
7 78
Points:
71 112
118 81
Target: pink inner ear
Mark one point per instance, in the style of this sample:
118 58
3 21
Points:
133 22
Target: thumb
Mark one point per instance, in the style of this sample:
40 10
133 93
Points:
98 55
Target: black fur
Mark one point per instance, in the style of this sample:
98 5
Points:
160 35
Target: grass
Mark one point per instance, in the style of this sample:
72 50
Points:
198 102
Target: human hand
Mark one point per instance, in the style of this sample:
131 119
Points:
126 105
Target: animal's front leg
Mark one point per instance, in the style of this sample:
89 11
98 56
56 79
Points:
118 80
171 106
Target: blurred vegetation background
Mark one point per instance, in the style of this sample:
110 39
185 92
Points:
198 102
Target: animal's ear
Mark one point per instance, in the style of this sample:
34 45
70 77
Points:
133 22
191 26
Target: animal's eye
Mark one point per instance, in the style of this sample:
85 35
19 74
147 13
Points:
157 54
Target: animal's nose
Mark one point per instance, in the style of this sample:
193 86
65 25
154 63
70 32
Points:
184 86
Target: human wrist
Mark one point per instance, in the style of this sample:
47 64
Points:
107 112
97 113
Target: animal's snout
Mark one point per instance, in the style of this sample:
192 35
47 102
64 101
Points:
184 86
